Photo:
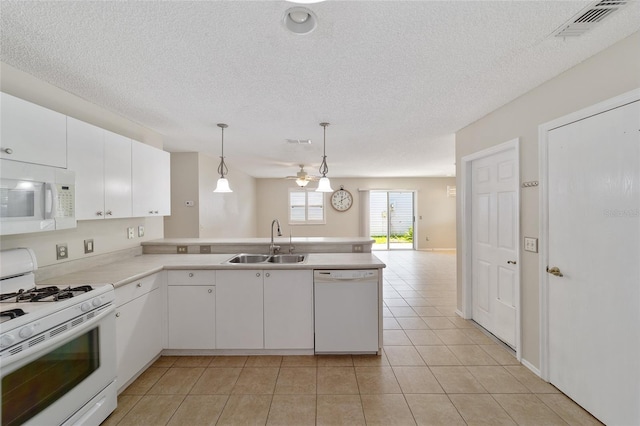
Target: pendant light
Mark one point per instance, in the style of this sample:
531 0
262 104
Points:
324 185
223 183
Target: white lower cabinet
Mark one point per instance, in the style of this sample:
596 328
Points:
264 309
138 326
288 309
191 315
239 309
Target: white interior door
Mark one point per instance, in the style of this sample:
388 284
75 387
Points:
494 243
594 241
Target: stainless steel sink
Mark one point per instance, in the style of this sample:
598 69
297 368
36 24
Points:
248 258
287 258
265 258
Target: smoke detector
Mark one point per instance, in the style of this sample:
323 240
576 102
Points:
589 17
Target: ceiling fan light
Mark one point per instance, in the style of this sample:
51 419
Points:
324 185
301 182
222 186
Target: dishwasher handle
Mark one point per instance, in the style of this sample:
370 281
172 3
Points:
345 275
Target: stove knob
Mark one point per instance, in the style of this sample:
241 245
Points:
26 332
7 340
96 302
86 306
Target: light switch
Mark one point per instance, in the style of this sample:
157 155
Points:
531 244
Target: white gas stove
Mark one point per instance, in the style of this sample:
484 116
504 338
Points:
56 343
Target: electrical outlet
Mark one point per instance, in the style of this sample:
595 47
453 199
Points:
183 249
140 231
62 252
88 246
531 244
357 248
189 203
130 233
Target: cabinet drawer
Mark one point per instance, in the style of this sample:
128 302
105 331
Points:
137 288
191 277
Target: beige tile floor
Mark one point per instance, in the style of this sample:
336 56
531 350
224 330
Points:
436 369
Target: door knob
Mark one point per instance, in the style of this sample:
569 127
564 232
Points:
554 270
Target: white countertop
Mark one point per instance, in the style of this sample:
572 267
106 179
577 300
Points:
124 272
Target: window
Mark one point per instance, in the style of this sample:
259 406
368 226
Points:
306 207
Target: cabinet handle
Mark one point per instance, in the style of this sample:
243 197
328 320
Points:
109 213
139 285
7 151
117 314
155 212
210 291
190 274
98 213
267 275
150 211
257 274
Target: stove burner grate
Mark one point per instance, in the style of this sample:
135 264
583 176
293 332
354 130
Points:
12 313
44 294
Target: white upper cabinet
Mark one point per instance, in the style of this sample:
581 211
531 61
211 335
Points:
117 176
102 163
32 133
151 180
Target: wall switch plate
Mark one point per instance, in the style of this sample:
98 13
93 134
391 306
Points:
531 244
140 231
183 249
189 203
130 233
62 252
205 249
88 246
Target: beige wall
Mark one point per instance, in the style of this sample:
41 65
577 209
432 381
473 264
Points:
609 73
214 215
108 235
184 221
436 209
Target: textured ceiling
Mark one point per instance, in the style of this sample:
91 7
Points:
396 79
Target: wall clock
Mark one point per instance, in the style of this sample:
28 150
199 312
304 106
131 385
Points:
341 200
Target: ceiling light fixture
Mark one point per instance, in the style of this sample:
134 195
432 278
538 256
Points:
324 185
302 178
299 20
223 183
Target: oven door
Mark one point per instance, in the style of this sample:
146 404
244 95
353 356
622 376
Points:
61 377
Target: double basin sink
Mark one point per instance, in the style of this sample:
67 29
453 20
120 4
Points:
267 258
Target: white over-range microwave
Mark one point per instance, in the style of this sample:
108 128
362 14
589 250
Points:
35 198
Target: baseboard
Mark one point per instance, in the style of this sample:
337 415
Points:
531 367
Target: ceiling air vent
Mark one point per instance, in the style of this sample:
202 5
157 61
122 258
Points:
589 17
299 141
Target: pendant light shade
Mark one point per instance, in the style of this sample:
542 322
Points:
223 183
324 185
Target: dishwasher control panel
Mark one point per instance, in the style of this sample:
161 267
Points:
347 274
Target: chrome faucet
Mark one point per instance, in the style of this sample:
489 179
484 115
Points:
273 249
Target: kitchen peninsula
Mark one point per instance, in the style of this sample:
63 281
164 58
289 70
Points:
201 304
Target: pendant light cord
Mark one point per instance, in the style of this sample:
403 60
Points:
222 168
324 169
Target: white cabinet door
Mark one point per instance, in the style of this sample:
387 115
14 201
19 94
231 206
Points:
239 309
138 334
86 144
288 309
117 176
102 162
192 317
32 133
151 180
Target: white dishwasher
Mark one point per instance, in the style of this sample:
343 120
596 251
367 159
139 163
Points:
346 311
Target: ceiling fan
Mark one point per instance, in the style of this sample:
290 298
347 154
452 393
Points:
302 178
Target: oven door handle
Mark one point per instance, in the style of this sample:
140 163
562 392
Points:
27 354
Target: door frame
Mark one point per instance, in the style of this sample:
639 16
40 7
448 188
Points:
543 160
467 230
